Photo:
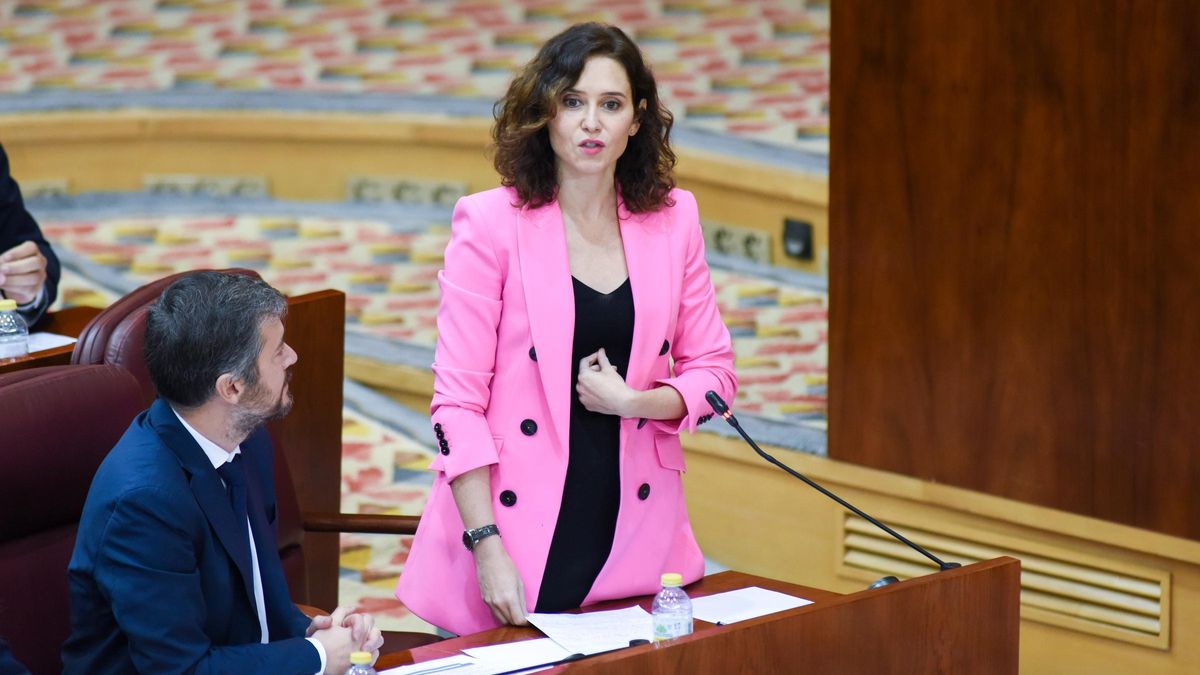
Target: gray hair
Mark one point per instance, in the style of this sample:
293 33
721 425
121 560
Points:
204 325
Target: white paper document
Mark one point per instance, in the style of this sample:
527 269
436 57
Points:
742 604
595 632
456 665
569 634
527 656
524 653
511 656
42 341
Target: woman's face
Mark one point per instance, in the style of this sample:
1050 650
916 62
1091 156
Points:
593 121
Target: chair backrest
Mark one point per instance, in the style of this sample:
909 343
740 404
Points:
57 425
116 337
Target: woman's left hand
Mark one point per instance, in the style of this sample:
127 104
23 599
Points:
601 388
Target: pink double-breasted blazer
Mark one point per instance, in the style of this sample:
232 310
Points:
503 378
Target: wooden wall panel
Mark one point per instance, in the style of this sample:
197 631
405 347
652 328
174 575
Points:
1015 252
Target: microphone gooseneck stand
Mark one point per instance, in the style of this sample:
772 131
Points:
721 408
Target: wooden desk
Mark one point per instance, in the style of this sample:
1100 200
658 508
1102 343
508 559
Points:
70 322
963 620
716 583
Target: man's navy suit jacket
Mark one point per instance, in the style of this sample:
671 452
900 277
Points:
17 226
160 577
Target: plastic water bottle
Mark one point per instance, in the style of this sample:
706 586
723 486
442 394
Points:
672 609
14 334
360 664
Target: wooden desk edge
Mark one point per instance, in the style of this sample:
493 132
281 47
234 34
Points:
716 583
70 322
712 584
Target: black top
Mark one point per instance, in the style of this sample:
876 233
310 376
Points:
587 519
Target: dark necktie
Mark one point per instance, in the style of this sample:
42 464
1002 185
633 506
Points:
235 487
234 475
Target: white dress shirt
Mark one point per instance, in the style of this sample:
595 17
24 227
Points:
35 302
218 456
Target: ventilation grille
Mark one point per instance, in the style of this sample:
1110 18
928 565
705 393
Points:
1056 586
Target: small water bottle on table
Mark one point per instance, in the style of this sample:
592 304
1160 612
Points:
14 334
671 611
360 664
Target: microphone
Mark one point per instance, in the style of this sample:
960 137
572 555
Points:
721 408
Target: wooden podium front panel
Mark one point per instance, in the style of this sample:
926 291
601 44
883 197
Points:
960 621
710 585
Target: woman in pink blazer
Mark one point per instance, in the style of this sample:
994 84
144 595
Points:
577 335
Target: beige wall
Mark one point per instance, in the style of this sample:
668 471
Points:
311 156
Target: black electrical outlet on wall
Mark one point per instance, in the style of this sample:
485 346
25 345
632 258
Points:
798 239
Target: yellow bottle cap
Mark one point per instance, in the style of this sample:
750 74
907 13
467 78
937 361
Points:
360 658
672 579
8 305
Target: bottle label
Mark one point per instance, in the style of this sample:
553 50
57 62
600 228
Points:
671 626
10 349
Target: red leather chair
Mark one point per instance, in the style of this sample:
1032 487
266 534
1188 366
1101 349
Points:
116 337
58 424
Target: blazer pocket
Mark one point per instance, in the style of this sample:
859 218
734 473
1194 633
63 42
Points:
670 452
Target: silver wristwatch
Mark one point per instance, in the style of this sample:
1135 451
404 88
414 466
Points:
471 538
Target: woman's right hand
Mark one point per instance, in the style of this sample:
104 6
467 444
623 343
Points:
499 582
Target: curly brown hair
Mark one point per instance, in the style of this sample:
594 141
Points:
523 156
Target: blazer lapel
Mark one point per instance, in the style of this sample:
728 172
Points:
650 276
207 488
550 304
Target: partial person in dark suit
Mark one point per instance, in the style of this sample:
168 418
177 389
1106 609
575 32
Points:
8 663
176 567
29 269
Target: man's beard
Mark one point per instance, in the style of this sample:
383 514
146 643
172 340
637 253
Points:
256 412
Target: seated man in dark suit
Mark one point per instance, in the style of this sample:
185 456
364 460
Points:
29 269
176 569
8 663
